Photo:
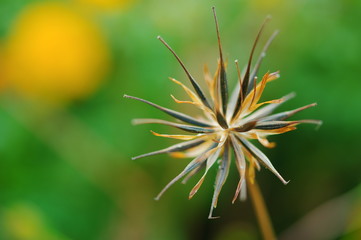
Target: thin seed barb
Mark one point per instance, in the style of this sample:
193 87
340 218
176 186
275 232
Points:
228 125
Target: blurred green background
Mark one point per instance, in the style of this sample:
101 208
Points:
66 139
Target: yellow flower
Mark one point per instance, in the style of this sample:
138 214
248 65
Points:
54 53
229 123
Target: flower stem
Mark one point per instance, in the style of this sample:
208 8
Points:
263 218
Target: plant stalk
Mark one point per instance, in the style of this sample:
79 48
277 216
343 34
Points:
263 218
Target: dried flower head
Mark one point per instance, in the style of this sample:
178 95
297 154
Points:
229 123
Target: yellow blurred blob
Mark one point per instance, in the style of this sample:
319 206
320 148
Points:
23 222
55 54
2 73
107 4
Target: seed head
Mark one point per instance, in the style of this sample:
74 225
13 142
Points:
229 123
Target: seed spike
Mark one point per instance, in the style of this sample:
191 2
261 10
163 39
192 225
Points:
174 148
195 85
238 71
184 127
260 59
181 116
284 115
191 166
246 78
222 78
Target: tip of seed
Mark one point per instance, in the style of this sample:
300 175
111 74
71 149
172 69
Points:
319 125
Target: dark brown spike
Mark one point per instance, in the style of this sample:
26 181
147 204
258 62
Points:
260 59
221 120
271 125
184 127
181 116
246 77
247 74
246 127
174 148
195 85
222 79
284 115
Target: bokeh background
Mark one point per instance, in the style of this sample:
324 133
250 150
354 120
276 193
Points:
66 139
